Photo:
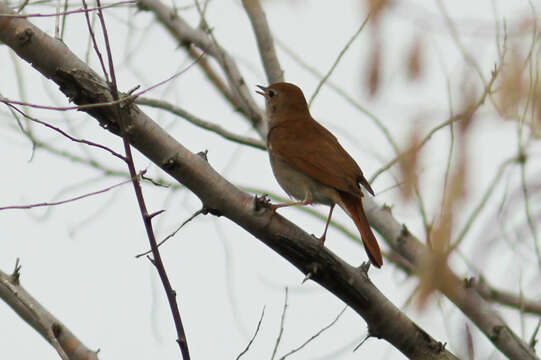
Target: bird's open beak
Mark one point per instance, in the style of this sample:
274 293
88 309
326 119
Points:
264 92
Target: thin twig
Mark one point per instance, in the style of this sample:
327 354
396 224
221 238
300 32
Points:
467 113
61 202
253 337
533 338
483 202
522 153
64 19
367 336
195 214
207 125
85 10
147 219
451 146
282 319
342 52
95 43
316 334
118 101
342 93
529 218
82 141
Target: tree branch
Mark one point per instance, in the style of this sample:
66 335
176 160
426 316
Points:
265 43
464 296
30 310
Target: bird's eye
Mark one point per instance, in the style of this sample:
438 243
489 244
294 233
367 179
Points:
272 93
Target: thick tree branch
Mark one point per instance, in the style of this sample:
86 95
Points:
459 291
48 326
507 298
265 43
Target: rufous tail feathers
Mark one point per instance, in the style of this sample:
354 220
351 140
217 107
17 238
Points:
354 208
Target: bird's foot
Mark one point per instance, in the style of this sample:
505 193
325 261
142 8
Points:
263 202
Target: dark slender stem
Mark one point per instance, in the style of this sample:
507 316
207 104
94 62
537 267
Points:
147 218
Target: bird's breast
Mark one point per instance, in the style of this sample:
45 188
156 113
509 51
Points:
299 185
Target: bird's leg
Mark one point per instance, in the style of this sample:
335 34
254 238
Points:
322 238
307 201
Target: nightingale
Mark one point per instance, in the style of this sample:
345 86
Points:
310 164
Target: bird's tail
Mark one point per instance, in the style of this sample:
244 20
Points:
354 207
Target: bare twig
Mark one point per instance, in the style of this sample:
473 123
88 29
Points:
533 338
311 338
207 125
342 93
366 337
479 208
342 52
254 336
124 99
465 114
467 56
85 10
282 320
62 132
198 212
94 42
61 202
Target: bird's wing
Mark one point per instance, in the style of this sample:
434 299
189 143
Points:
319 156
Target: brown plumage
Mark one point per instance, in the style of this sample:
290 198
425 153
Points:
311 165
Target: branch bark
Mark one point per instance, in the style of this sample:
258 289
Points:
46 324
463 295
265 43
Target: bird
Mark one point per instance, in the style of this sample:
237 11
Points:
310 164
